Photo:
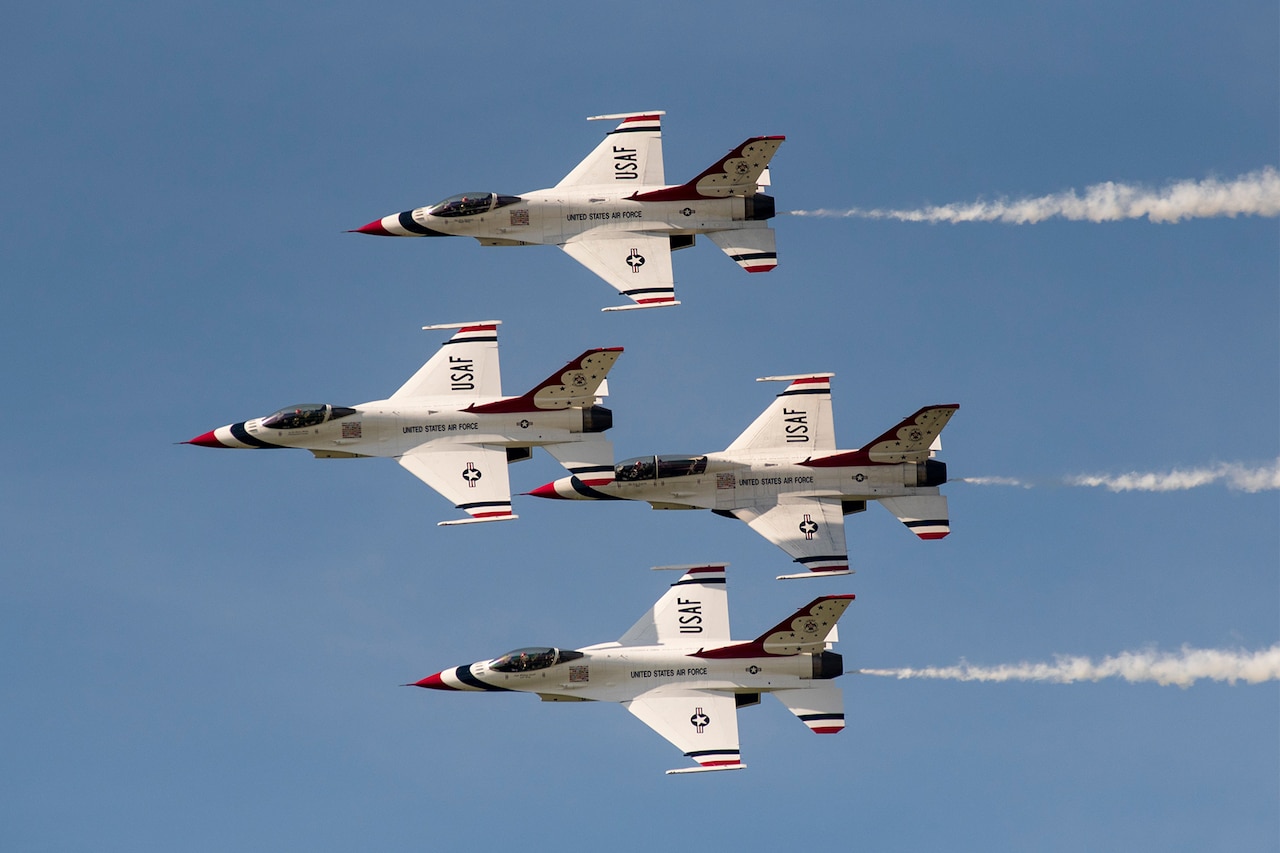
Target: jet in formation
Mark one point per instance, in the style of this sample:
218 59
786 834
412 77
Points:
616 215
785 478
680 673
450 426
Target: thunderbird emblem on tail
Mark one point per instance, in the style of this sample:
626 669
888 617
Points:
616 215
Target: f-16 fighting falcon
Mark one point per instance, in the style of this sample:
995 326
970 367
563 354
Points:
615 214
785 478
450 426
678 671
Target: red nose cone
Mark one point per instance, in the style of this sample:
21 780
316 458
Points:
434 682
547 491
206 440
374 227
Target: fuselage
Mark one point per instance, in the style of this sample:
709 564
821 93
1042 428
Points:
610 672
724 481
391 428
555 216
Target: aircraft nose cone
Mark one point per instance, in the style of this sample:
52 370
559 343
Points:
544 491
374 227
433 682
208 439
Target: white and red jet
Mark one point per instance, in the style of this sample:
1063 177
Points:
785 478
615 214
450 426
678 671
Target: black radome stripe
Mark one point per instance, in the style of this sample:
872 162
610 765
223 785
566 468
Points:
407 223
588 492
242 435
463 674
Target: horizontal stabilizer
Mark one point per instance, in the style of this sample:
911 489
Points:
924 515
755 249
821 708
590 460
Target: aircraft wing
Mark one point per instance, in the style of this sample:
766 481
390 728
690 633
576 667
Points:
637 264
629 155
465 368
694 609
473 476
811 530
703 724
798 419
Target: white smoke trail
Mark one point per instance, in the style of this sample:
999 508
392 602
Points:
1234 475
1164 668
994 481
1253 194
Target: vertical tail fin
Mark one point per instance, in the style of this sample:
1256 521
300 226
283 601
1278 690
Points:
911 440
575 384
735 174
804 631
915 439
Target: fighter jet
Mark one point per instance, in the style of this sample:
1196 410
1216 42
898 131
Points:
615 214
450 426
785 478
678 671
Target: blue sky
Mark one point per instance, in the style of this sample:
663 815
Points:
203 650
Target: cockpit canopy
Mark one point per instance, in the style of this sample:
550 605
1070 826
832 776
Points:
305 415
471 204
531 658
658 467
